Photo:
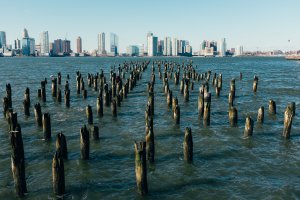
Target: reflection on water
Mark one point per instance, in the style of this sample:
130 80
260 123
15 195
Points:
225 164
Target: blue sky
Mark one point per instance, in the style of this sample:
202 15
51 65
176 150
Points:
255 24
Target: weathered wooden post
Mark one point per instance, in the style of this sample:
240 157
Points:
84 94
261 115
58 174
27 96
188 145
54 87
206 109
78 83
177 114
293 107
181 86
151 101
186 92
232 88
26 105
288 119
67 98
200 104
59 78
43 91
38 114
89 114
219 85
84 143
46 126
95 132
150 146
233 116
248 127
217 91
100 106
114 108
18 161
272 107
230 99
141 167
174 104
255 82
169 98
61 145
12 119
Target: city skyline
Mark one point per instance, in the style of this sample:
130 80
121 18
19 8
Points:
270 27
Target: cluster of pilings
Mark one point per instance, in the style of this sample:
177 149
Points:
110 93
113 93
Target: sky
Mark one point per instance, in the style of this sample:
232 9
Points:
255 24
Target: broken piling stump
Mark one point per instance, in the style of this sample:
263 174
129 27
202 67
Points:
141 167
188 145
58 174
61 145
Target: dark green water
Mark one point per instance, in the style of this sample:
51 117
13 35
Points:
226 166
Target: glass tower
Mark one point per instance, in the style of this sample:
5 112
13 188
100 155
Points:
114 42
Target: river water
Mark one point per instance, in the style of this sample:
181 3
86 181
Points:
225 166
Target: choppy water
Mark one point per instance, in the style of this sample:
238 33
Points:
225 165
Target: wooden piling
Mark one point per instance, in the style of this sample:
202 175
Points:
59 78
141 167
261 115
248 127
206 109
95 132
58 174
12 119
89 114
233 116
84 94
150 146
61 145
54 87
255 83
293 107
200 104
67 98
8 95
27 96
186 93
188 145
38 114
46 126
169 98
288 119
84 143
100 106
230 99
272 107
26 106
18 161
177 114
232 88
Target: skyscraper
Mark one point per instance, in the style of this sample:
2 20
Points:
44 42
222 47
160 48
167 46
152 45
114 43
2 39
101 43
239 51
174 47
66 46
79 45
17 44
132 50
28 44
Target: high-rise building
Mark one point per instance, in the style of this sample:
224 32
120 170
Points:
66 46
132 50
141 49
57 47
222 47
44 42
239 51
152 45
28 44
79 45
114 43
175 47
2 39
188 49
101 43
181 46
167 46
160 48
17 43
